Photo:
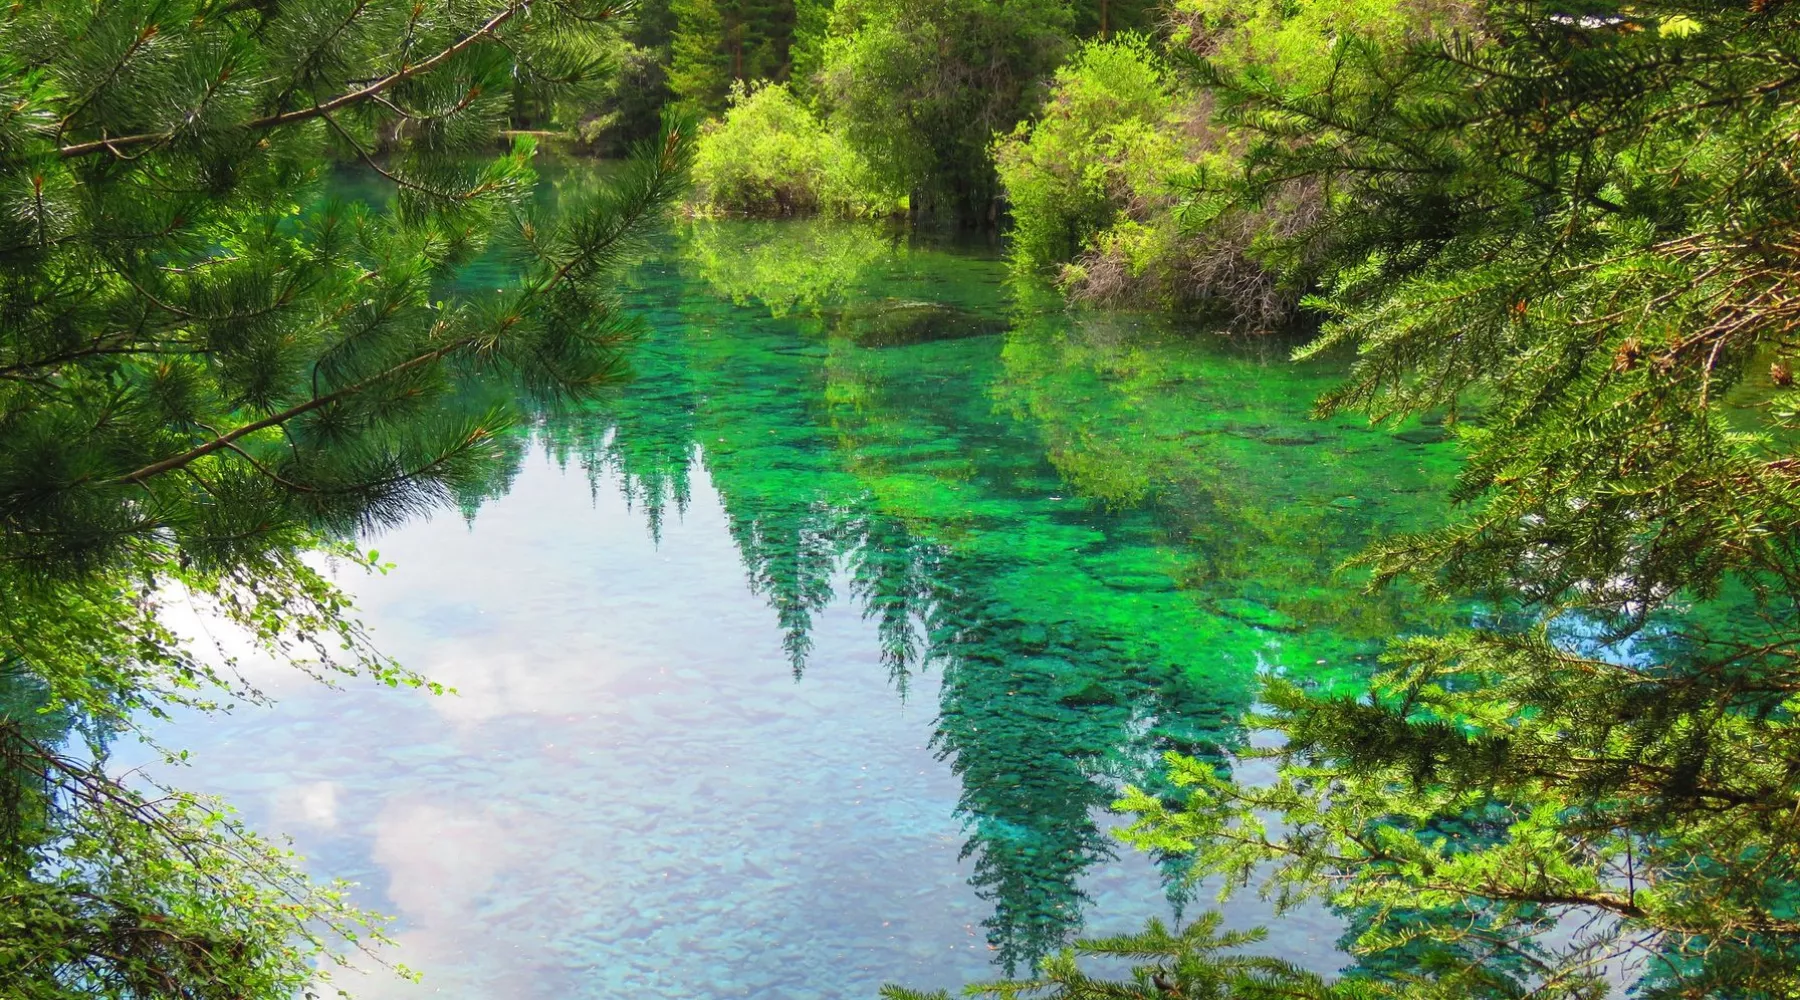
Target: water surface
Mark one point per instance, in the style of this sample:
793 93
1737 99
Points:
810 659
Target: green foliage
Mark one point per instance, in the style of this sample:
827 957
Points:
769 156
201 383
1187 963
1096 182
919 90
153 892
936 65
812 22
1582 229
721 43
699 65
1105 19
920 87
1105 144
1291 44
905 98
629 111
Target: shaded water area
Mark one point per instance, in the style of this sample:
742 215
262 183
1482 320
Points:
810 658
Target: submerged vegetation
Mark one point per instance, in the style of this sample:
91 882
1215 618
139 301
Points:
1571 231
1093 533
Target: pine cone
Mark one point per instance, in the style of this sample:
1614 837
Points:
1625 358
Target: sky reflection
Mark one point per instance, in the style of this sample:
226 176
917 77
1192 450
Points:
629 794
813 660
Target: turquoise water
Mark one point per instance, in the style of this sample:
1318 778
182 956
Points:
810 659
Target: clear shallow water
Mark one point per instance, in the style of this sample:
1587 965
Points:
810 659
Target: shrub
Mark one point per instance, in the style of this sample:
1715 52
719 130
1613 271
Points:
1094 181
771 156
1104 148
1101 183
1223 266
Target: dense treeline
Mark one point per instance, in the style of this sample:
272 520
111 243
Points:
1072 121
881 106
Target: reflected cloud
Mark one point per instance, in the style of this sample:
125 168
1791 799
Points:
439 860
556 612
1067 549
314 805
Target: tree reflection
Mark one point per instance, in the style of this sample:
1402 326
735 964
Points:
1097 532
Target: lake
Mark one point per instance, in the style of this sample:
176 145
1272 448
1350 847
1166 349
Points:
810 658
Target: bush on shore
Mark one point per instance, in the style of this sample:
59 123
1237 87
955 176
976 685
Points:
770 156
1095 183
1103 148
1102 185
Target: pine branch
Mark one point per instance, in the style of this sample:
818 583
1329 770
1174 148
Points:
357 96
666 161
299 410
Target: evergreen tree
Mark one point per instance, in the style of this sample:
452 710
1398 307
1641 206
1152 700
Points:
921 87
204 376
1104 19
652 24
630 109
806 56
719 43
1579 224
699 66
1191 963
765 36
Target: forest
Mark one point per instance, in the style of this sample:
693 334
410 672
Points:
1549 748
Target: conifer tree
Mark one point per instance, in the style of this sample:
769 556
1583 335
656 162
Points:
812 20
719 43
1575 226
204 376
699 66
1195 962
921 87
